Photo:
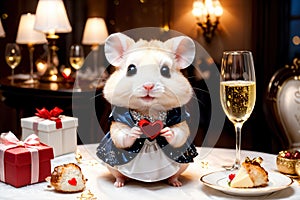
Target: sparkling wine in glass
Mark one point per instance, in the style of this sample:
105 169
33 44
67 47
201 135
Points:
76 60
237 92
12 57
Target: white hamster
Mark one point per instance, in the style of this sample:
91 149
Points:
148 85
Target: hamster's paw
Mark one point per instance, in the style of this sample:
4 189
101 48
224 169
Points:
174 181
130 138
135 132
168 134
120 182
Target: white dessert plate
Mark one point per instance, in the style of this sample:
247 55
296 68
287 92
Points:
219 181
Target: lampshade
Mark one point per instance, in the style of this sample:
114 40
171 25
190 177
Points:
26 34
95 31
2 32
51 17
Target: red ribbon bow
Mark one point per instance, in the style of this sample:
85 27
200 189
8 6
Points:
10 139
51 115
31 143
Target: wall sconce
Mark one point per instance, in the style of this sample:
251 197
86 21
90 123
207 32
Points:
2 32
27 35
51 18
207 13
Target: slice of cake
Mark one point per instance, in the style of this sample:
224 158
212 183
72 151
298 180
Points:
67 178
251 174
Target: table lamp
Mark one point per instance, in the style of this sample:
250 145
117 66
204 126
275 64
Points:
2 32
51 18
27 35
95 33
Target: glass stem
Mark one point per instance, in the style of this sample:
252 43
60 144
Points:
76 83
95 61
238 132
12 76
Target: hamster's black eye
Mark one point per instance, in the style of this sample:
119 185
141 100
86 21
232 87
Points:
131 70
165 71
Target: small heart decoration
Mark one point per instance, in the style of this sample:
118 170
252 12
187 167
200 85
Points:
151 130
72 181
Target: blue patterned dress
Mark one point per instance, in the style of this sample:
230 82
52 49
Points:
147 160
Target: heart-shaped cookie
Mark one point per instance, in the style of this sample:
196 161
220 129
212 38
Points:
151 130
72 181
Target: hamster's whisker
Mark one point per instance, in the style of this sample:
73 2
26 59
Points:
99 79
201 90
190 77
195 97
100 94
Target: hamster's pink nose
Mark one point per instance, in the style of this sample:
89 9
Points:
148 86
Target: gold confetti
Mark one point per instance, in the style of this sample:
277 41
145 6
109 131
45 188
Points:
87 195
92 162
204 164
78 156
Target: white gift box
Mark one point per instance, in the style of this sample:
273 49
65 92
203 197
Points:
63 140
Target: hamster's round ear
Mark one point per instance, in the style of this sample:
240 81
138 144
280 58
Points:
184 49
115 47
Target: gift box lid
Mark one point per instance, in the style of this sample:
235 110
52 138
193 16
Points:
48 125
21 156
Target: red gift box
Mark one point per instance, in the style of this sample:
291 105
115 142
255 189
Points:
25 164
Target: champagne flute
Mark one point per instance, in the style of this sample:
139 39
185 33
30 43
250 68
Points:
237 92
12 57
76 61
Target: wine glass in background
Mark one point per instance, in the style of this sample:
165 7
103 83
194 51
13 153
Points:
12 57
237 92
76 60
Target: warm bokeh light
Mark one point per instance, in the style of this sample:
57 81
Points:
296 40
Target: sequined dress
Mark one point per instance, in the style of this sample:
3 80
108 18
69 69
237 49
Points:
146 160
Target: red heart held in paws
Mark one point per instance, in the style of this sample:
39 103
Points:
151 129
72 181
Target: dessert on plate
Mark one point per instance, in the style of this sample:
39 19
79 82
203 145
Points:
67 178
251 174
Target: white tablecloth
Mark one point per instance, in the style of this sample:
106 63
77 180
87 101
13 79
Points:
100 181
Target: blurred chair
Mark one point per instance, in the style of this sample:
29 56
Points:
283 105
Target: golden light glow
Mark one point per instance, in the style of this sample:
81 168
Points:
207 14
66 72
198 8
166 28
212 8
218 9
296 40
53 77
41 67
53 86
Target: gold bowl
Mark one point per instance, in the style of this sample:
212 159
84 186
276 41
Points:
297 168
287 165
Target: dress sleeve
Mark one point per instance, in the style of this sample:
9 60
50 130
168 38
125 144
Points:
187 151
108 152
122 115
177 115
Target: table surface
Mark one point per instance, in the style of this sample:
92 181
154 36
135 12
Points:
46 88
100 181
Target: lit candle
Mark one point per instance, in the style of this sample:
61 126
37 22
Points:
66 72
41 67
53 77
53 86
